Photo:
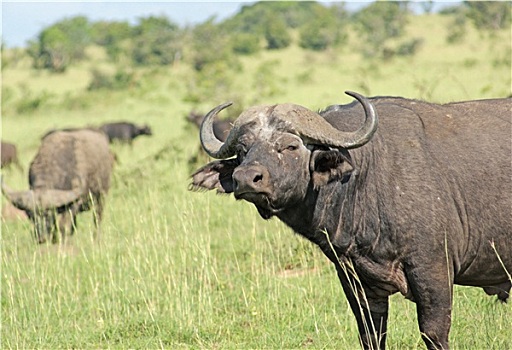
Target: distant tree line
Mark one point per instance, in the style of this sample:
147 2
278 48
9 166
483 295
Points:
156 40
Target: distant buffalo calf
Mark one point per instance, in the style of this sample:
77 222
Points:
10 155
124 132
70 174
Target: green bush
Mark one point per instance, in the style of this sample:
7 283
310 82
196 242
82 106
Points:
456 28
111 36
246 43
211 46
61 44
30 103
324 29
489 15
409 47
378 23
122 79
156 42
276 33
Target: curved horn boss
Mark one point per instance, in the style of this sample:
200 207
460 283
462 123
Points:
306 123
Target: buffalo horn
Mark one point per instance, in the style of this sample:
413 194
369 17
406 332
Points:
213 146
39 199
311 126
316 130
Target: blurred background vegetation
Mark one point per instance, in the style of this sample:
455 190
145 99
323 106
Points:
260 26
122 54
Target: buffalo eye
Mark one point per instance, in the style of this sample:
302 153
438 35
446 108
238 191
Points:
289 148
241 151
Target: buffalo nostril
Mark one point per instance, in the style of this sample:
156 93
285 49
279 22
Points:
258 178
248 179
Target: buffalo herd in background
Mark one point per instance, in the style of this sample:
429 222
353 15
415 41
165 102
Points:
10 155
69 174
66 177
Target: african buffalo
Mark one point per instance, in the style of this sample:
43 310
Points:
221 128
401 195
9 154
124 132
51 131
70 174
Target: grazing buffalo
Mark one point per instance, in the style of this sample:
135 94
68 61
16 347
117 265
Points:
401 195
124 132
10 155
221 128
70 174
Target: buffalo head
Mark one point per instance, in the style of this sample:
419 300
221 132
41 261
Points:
281 152
144 130
51 211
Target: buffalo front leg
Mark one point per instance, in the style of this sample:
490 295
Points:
97 215
432 293
371 312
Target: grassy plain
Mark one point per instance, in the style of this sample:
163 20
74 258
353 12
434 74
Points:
176 269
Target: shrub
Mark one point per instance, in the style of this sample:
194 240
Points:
489 15
211 46
120 80
325 29
246 43
61 44
379 22
30 103
156 42
276 33
409 47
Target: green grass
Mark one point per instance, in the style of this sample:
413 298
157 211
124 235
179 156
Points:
175 269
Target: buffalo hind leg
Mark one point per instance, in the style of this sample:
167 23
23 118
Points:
371 313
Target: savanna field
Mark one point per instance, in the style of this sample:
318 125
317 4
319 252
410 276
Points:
179 269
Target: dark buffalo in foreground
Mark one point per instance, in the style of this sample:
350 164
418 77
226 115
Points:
70 174
401 195
124 132
9 154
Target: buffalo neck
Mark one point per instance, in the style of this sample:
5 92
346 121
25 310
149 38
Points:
330 216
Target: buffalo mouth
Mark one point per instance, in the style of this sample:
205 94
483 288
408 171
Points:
257 198
263 202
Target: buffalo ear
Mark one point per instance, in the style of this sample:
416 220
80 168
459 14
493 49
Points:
215 175
328 166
